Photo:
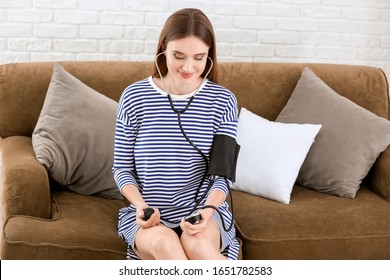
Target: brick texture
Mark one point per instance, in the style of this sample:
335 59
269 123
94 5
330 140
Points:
329 31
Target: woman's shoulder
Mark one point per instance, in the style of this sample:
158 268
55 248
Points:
138 86
216 86
220 91
132 93
136 90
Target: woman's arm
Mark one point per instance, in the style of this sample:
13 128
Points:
133 195
124 164
215 198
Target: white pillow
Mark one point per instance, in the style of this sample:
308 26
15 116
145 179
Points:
271 155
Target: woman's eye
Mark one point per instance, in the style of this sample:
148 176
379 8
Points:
199 58
178 56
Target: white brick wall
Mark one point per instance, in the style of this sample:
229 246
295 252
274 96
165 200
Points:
332 31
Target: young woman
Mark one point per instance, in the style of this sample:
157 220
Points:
164 134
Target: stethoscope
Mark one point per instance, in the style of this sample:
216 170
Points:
178 113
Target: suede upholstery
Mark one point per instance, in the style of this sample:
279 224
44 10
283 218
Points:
44 221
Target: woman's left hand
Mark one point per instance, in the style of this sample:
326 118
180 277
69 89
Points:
192 229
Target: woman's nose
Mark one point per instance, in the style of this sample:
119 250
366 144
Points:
188 65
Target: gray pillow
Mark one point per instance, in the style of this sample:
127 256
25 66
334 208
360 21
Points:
348 144
74 136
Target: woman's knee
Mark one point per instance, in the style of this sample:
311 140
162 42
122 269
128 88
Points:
157 242
197 246
164 242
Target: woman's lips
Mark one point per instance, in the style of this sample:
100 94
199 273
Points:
186 75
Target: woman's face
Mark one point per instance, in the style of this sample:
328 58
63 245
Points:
186 60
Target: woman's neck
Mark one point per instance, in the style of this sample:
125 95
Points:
173 87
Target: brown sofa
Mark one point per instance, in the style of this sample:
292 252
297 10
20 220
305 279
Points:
42 220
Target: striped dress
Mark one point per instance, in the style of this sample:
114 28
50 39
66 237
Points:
152 153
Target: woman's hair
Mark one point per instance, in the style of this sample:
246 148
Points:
182 24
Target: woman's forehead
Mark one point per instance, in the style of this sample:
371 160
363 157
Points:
188 46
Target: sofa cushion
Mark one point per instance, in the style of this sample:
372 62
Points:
271 155
81 228
74 136
313 226
350 140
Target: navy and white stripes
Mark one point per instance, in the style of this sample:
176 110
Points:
152 153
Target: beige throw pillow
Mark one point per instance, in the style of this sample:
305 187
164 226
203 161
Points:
74 136
348 144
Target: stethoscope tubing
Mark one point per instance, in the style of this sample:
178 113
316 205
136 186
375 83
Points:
179 112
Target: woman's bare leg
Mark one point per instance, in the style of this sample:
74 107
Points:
205 245
158 243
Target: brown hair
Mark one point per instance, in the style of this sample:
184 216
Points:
185 23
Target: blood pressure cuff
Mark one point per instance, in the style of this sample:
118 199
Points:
223 157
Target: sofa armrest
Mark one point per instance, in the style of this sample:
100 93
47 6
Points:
380 175
24 182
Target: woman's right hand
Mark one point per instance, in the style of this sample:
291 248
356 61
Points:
132 194
154 219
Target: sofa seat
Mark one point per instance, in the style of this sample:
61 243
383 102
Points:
313 226
81 227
